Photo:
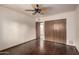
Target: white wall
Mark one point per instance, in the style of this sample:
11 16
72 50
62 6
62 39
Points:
70 17
15 28
77 28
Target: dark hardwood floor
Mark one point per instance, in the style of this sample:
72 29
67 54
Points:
49 48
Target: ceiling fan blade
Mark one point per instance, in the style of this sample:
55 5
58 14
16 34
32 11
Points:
34 5
29 10
44 10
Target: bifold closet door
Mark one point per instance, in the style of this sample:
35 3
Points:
55 31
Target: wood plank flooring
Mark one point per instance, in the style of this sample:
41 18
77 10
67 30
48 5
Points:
49 48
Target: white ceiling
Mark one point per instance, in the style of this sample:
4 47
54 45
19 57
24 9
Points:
55 8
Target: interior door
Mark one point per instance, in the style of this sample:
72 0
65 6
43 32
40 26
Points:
55 31
37 30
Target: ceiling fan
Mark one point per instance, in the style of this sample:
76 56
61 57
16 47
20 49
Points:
37 9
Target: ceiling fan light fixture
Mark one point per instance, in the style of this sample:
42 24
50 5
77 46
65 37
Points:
37 9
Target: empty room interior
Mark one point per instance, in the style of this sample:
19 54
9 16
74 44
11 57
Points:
39 29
